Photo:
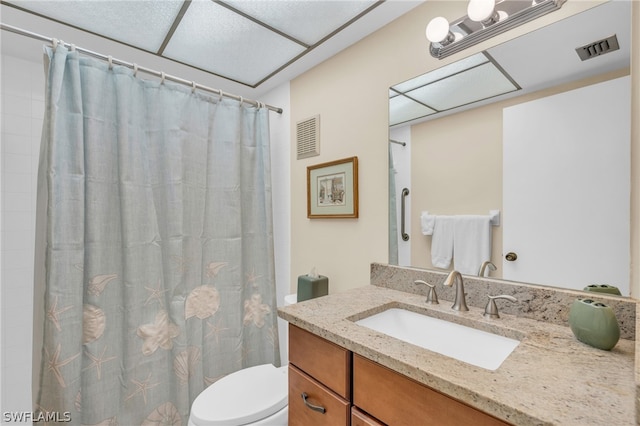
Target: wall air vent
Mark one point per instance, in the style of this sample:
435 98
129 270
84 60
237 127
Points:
308 137
598 48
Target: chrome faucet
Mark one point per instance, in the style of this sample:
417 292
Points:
460 303
484 266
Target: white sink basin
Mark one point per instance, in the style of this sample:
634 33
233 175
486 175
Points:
476 347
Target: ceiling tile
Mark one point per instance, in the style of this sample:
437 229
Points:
213 38
143 24
308 21
402 109
442 72
482 82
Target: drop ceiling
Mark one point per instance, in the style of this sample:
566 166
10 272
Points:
244 42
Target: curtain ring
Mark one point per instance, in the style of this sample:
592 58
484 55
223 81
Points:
54 44
193 87
221 93
162 77
241 100
110 60
135 70
73 47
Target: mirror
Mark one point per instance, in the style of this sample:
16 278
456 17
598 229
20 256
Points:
456 142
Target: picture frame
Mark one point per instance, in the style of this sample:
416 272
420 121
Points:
332 189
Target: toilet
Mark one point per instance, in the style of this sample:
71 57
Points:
253 396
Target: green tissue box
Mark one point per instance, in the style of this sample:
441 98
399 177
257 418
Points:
603 288
311 287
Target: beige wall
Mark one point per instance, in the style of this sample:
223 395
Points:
349 92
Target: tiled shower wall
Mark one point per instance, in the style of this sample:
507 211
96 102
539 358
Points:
22 94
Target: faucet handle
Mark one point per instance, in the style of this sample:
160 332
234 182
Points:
432 297
491 310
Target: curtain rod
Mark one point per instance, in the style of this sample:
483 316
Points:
398 142
134 66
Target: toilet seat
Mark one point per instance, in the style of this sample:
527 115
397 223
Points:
243 397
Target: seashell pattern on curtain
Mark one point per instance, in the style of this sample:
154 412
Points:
154 206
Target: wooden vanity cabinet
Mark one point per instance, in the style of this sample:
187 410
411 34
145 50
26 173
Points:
335 410
320 370
352 390
397 400
359 418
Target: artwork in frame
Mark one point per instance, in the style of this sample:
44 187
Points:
332 189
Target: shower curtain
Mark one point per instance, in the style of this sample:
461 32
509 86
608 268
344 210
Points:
154 203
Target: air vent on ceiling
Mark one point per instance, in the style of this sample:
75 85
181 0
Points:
598 48
308 137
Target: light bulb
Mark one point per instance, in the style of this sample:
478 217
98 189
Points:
482 10
438 30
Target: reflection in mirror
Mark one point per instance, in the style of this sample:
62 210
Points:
461 83
457 140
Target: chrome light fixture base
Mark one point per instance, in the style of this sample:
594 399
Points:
511 13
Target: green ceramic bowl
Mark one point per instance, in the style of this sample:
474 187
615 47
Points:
603 288
594 323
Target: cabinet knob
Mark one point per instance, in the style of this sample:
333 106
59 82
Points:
511 256
317 408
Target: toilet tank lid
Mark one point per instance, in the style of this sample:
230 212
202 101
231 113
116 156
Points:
242 397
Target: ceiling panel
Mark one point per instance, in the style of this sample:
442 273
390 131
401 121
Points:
143 24
214 38
402 109
442 72
306 21
242 43
478 83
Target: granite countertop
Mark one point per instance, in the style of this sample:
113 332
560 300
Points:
550 378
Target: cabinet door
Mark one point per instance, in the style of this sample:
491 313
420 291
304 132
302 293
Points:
326 362
398 400
358 418
322 407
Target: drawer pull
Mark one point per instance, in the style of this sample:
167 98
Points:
317 408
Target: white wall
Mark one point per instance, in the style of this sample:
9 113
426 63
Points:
22 93
281 184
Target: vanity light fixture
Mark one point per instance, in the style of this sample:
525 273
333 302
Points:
485 19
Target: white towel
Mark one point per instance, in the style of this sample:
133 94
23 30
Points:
442 242
471 243
427 223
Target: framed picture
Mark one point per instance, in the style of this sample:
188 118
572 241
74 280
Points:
332 189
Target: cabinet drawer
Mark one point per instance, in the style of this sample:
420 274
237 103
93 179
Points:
398 400
358 418
324 361
300 414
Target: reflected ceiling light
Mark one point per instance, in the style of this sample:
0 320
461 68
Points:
485 19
